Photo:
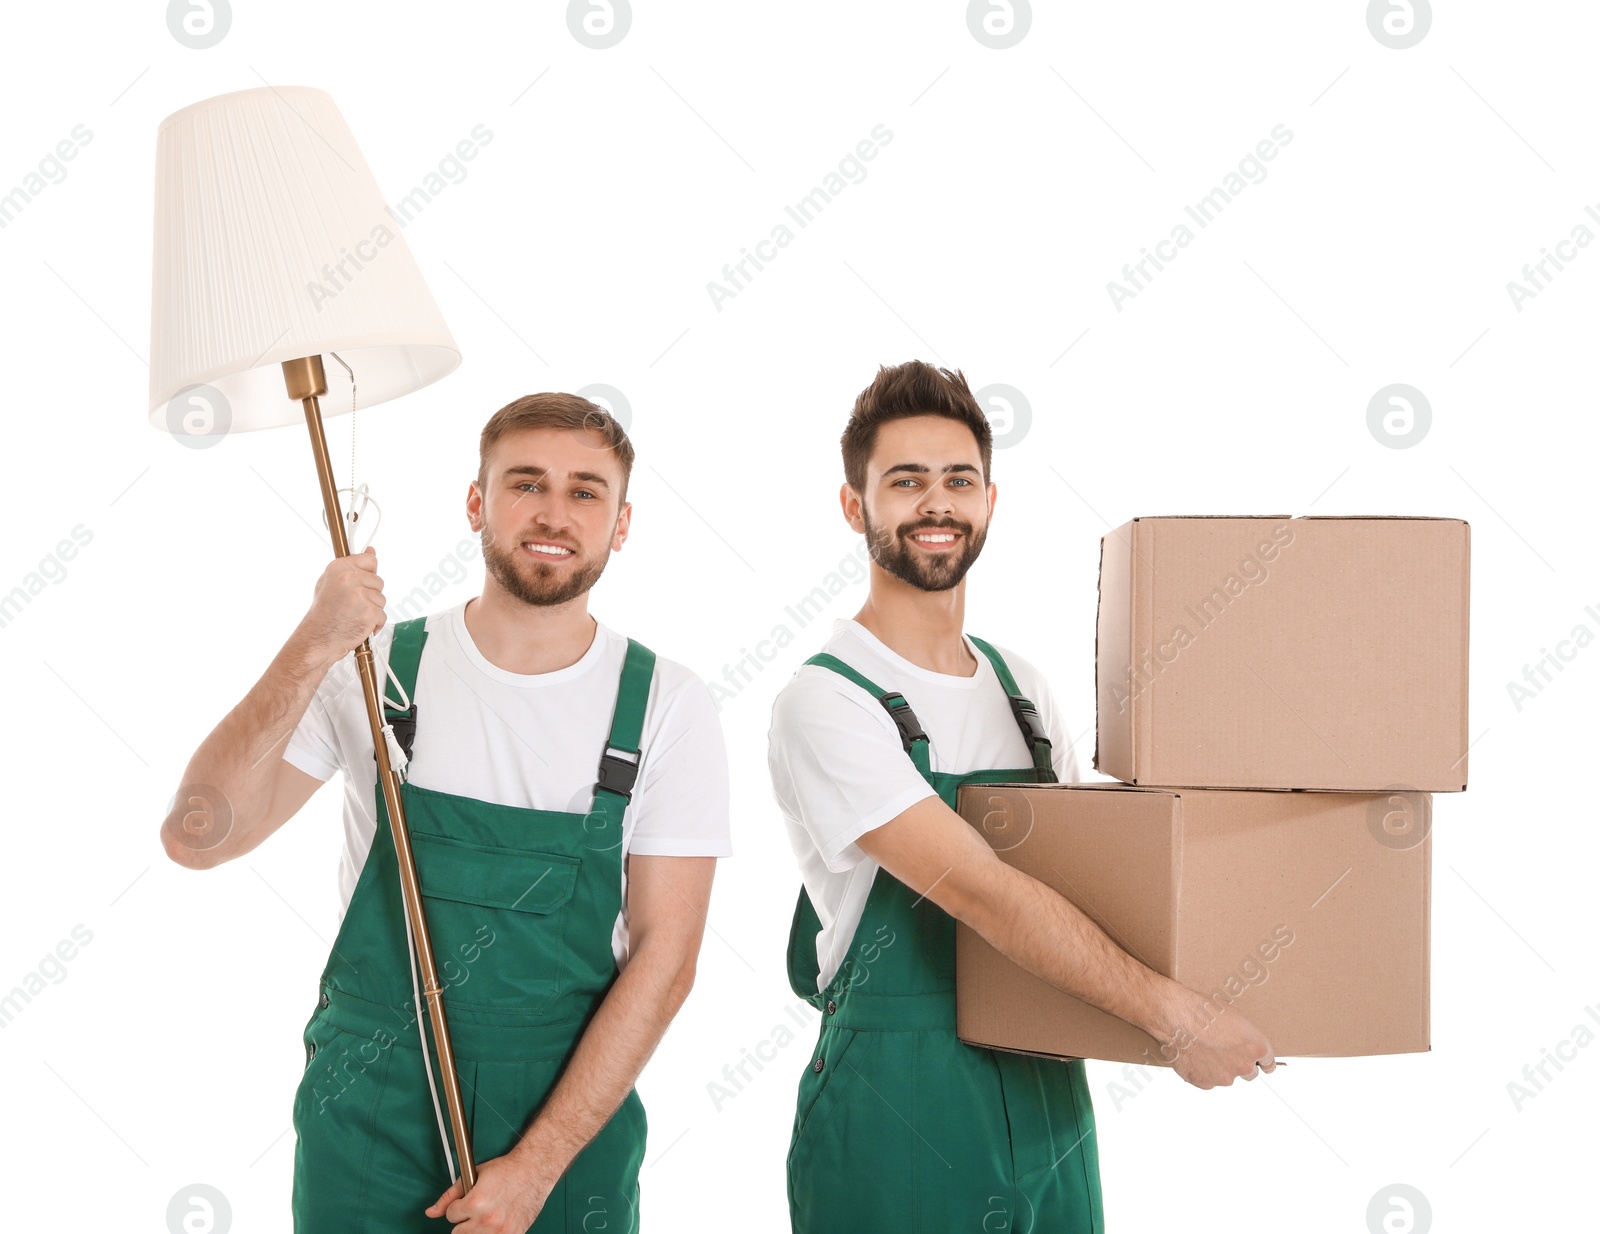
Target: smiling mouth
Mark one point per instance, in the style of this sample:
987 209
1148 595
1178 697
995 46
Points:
934 539
548 552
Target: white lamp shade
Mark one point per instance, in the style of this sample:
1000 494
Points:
272 242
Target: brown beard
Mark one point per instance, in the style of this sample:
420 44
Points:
894 555
541 585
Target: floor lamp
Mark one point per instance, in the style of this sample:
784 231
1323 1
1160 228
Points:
273 248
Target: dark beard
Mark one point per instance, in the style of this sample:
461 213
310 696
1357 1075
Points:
926 573
543 588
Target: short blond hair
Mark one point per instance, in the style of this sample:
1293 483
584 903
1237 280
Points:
555 410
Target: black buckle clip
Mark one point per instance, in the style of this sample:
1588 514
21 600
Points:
904 719
1029 720
404 724
618 774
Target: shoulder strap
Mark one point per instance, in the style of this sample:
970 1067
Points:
405 651
1028 719
912 737
617 774
915 740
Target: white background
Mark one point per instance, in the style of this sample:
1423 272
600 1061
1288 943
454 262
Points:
577 249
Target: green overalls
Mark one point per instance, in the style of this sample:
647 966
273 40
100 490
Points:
520 906
900 1126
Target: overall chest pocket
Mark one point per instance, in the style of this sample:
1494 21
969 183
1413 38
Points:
498 919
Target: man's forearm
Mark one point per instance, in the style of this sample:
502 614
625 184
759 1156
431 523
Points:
233 759
613 1051
1040 930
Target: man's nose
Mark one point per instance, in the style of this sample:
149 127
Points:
547 511
552 521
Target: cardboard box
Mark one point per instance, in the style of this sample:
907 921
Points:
1307 912
1315 653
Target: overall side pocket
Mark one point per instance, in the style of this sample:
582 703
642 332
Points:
821 1091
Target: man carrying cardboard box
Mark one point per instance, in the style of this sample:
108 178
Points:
899 1125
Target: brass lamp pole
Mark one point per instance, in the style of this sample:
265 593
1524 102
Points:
306 382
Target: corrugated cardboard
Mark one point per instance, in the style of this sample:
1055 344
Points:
1307 912
1316 653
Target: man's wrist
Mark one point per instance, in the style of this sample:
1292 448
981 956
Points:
1165 1007
543 1153
305 658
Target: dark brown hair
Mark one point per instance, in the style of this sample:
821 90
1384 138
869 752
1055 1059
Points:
555 410
910 389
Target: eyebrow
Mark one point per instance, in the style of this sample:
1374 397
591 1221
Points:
530 469
921 470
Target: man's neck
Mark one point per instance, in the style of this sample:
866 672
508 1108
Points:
921 626
529 638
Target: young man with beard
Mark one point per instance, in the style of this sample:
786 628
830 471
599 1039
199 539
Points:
566 793
899 1125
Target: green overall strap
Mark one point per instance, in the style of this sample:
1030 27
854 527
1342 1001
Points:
912 737
616 775
405 651
1028 719
915 740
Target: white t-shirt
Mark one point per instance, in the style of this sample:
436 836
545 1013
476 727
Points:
839 770
530 740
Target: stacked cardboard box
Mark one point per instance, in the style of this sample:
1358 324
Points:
1279 698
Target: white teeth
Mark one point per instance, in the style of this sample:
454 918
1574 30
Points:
939 538
550 550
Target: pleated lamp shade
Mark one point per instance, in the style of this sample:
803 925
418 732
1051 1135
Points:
272 242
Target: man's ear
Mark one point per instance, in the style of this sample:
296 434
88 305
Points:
850 504
624 522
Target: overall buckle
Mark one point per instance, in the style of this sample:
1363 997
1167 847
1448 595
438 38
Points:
904 719
617 773
1028 720
404 724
